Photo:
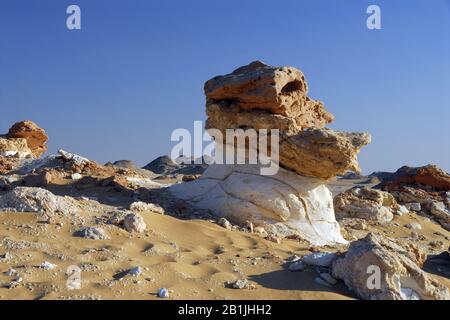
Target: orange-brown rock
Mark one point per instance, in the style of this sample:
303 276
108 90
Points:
429 176
35 136
222 116
7 164
322 153
276 90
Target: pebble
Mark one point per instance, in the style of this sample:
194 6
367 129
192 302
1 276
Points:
47 265
414 206
10 272
241 284
225 223
163 293
93 233
413 226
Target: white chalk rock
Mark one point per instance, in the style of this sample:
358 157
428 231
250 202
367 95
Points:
240 193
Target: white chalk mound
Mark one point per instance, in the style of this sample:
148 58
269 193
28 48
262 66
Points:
238 192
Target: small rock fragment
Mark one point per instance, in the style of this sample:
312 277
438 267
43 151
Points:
134 222
163 293
93 233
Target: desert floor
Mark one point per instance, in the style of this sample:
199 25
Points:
194 259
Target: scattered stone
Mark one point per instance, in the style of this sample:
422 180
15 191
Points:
136 271
13 284
242 284
133 272
413 226
47 265
225 223
140 206
93 233
134 222
261 231
76 176
402 210
359 225
400 267
319 259
366 203
5 257
10 272
273 238
414 206
163 293
75 158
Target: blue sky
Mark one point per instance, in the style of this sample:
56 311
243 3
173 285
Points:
117 88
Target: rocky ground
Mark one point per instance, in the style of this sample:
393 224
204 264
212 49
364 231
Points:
71 228
82 223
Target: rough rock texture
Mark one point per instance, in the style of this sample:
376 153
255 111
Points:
280 90
134 222
293 201
295 204
93 233
428 186
429 177
14 148
322 153
367 204
36 137
29 199
223 116
401 275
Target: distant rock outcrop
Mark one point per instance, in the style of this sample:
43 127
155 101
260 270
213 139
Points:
35 136
428 186
162 165
430 176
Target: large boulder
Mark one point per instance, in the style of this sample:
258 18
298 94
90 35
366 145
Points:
367 204
290 203
35 136
430 177
31 199
378 268
278 90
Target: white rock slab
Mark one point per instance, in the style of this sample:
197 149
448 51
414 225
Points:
240 193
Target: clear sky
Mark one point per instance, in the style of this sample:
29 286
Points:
118 87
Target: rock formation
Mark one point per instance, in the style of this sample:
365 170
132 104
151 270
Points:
36 137
400 273
25 140
427 188
367 204
294 200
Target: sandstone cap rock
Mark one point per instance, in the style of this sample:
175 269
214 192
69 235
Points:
258 86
